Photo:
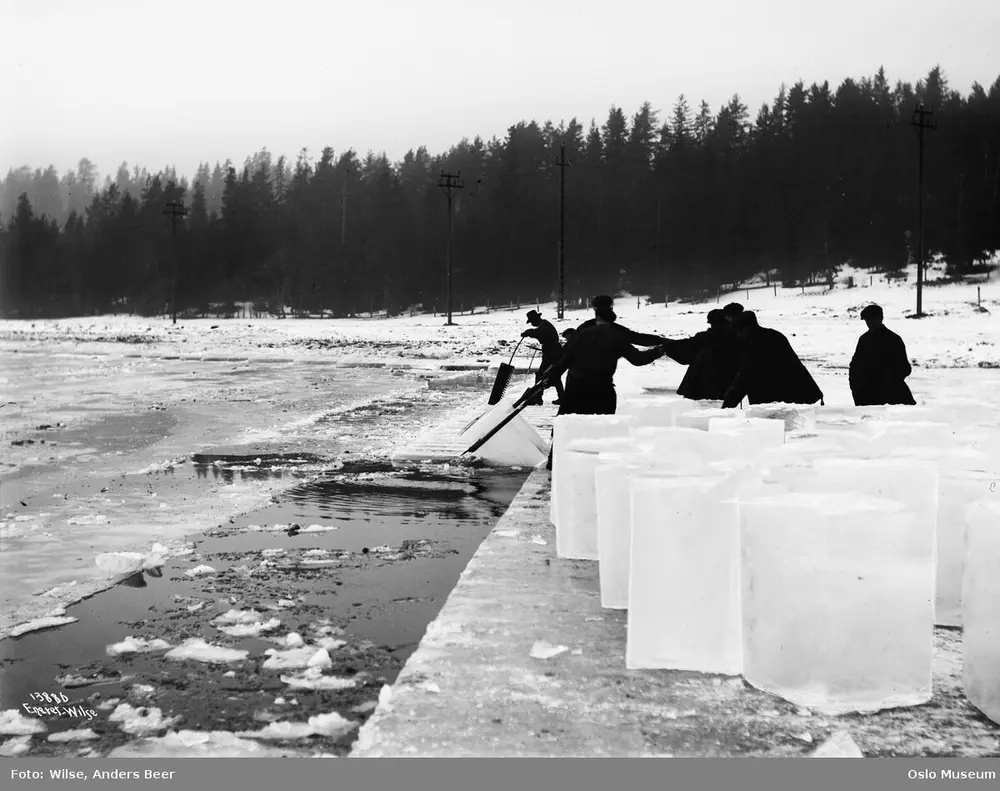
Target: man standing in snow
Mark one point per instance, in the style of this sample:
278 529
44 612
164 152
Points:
770 370
712 357
732 312
591 359
879 366
604 303
543 332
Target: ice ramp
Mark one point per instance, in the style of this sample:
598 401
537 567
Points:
521 443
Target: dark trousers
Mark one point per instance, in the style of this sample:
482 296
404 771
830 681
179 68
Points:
540 374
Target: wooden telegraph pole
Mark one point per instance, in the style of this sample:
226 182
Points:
175 209
449 182
562 164
921 121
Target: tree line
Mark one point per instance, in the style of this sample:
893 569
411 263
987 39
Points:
675 205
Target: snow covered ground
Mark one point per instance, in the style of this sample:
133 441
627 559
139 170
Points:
247 384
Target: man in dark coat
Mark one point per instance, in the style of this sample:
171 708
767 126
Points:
879 366
732 311
590 360
543 332
770 370
605 303
712 356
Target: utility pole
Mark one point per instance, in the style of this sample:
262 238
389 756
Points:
175 209
921 120
448 183
343 210
562 165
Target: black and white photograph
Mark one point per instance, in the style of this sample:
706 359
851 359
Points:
469 379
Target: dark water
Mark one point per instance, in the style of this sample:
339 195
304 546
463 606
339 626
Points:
402 539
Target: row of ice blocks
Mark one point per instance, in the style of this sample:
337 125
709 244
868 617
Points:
831 601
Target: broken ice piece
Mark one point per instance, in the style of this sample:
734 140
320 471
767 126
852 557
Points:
196 607
110 703
577 652
317 529
141 690
141 721
313 678
135 645
806 737
537 540
79 735
430 686
12 723
198 650
507 533
294 640
330 725
250 629
267 553
197 571
364 708
286 603
229 674
545 650
279 701
41 623
838 745
320 659
16 746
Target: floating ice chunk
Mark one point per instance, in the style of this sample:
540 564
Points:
981 608
196 744
120 562
198 571
291 659
141 721
320 659
330 643
108 704
244 623
88 519
364 708
195 607
837 610
78 735
507 533
543 649
331 725
141 691
198 650
839 745
316 553
12 723
270 553
294 640
16 746
229 674
286 603
135 645
46 622
317 529
313 678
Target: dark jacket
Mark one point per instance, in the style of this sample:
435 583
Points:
636 338
590 359
713 359
547 335
770 371
878 369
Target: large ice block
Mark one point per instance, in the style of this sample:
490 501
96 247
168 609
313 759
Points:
913 485
981 607
516 445
699 418
565 429
837 414
683 601
576 528
796 417
656 411
958 490
836 615
752 435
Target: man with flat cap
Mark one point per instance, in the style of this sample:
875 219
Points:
602 306
732 311
543 332
879 366
770 370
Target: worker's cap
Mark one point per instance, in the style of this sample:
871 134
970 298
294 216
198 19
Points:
872 312
532 315
601 301
715 316
732 310
566 333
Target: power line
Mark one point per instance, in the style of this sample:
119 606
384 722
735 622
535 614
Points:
921 120
449 182
562 164
175 209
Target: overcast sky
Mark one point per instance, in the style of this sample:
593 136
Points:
175 83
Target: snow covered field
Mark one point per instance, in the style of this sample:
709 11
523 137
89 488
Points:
264 380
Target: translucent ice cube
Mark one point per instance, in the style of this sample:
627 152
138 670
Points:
981 608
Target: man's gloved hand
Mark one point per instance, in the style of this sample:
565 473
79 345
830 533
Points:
525 333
